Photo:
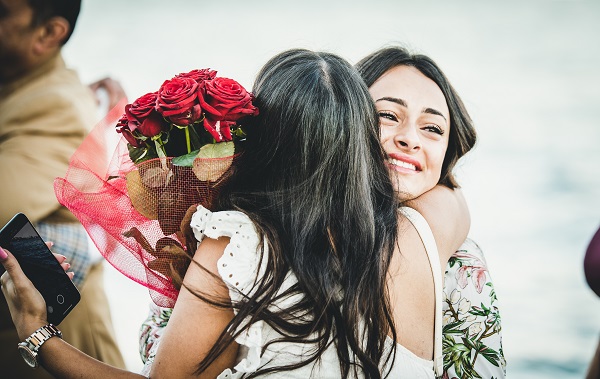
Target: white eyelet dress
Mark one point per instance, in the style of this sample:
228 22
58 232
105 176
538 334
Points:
240 267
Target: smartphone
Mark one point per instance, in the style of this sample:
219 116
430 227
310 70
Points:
24 242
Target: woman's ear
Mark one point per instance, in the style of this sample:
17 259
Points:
50 36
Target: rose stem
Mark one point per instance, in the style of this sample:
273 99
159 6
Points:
187 139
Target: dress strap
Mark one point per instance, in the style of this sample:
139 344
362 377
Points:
428 240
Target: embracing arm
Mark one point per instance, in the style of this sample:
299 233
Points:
448 216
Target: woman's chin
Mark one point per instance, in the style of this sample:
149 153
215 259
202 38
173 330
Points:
403 191
404 194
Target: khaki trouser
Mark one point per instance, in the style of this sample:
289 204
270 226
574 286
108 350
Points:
88 327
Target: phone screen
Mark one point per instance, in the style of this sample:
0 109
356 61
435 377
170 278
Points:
20 237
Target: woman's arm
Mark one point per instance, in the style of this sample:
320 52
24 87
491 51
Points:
193 329
194 325
28 311
448 216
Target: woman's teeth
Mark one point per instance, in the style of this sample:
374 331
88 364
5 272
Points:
403 164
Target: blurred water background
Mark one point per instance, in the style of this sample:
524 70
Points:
528 72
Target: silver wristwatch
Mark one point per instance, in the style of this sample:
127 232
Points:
29 349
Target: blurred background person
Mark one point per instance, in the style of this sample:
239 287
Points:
45 112
591 266
591 263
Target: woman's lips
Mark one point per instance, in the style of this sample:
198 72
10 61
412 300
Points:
403 164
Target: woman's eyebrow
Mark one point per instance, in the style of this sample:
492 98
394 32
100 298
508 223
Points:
403 103
435 112
393 100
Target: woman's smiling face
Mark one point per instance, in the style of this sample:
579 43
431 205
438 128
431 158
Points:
415 127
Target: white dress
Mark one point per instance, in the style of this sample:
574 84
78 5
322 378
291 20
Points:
239 267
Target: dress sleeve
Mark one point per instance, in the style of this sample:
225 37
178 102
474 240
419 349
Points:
472 332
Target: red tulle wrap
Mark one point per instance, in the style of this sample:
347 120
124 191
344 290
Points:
138 215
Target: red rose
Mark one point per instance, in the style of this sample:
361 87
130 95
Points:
123 128
199 75
143 106
178 101
143 117
150 126
226 99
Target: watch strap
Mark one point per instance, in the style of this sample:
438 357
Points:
41 335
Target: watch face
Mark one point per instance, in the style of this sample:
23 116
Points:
29 356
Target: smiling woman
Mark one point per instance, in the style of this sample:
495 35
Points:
414 128
425 130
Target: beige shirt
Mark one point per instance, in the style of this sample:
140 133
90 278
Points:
43 119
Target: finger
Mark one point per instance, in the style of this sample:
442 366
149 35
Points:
60 258
5 284
65 266
97 84
49 244
71 275
115 94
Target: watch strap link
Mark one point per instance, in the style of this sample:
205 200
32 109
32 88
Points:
41 335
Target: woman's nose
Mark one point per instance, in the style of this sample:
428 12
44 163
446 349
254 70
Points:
407 138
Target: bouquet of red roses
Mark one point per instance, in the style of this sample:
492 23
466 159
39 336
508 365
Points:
177 148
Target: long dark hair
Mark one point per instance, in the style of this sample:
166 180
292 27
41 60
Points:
462 132
313 181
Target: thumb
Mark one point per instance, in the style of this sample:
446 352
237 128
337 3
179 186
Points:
25 304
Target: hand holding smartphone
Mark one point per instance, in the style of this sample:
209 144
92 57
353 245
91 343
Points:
39 265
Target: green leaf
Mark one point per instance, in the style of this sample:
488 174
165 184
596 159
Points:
453 327
212 150
185 160
491 356
469 343
486 309
476 311
452 261
461 348
217 150
140 154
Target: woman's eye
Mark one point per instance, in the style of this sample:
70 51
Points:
434 129
388 115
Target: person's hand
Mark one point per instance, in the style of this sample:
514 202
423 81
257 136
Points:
113 89
27 306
